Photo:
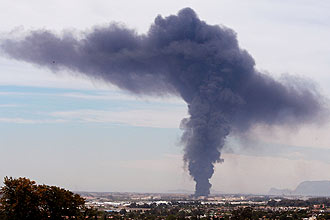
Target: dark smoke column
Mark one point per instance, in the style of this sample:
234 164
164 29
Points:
204 134
183 56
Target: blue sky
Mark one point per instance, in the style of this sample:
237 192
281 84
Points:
35 105
86 135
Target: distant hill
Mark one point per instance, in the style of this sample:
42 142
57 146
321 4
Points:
280 192
313 188
306 188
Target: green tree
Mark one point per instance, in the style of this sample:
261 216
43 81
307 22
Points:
90 213
58 202
23 199
19 199
2 214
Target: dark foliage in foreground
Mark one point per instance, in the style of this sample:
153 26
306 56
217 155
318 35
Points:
23 199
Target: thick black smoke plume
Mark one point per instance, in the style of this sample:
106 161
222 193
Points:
184 56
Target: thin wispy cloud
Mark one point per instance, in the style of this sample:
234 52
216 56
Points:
10 105
30 121
99 95
122 96
161 118
14 93
253 147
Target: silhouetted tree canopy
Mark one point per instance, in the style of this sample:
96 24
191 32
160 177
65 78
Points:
23 199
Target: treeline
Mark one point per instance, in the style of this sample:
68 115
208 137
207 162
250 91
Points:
169 204
300 203
23 199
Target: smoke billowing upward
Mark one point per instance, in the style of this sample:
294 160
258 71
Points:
183 56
